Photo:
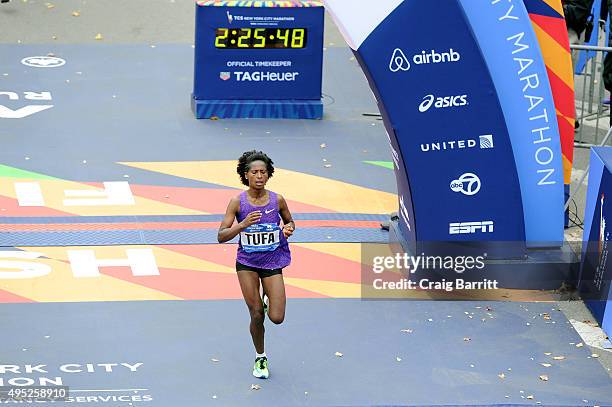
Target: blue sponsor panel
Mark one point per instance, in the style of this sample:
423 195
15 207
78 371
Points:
596 268
449 140
258 61
504 33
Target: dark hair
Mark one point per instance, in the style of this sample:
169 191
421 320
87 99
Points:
247 158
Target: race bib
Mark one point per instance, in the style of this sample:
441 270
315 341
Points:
262 237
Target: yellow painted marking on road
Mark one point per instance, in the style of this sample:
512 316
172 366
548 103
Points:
164 258
60 285
332 289
305 188
347 251
54 196
167 258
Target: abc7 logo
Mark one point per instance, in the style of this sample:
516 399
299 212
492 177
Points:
467 184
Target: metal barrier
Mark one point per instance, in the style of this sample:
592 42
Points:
592 104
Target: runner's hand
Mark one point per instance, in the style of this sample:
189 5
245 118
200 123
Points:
251 219
287 230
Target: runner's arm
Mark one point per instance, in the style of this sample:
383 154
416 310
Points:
288 222
227 229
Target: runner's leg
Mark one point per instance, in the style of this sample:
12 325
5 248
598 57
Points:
249 284
274 287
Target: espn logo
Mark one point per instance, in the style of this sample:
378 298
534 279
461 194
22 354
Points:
460 228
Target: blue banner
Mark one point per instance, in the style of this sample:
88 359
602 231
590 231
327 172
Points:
504 33
448 134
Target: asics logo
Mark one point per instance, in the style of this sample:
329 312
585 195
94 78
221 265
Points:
442 102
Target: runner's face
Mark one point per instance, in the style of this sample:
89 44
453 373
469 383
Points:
257 175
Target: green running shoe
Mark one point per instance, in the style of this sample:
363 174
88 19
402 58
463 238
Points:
260 370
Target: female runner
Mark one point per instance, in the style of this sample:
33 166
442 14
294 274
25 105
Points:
263 250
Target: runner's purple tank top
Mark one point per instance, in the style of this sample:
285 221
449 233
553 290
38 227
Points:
262 245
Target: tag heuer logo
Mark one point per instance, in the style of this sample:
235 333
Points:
224 75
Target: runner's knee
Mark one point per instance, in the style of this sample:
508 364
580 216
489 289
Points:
276 318
257 314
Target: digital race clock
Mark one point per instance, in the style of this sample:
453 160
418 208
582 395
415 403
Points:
260 38
258 59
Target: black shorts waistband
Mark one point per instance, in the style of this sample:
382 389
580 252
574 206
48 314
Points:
261 272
